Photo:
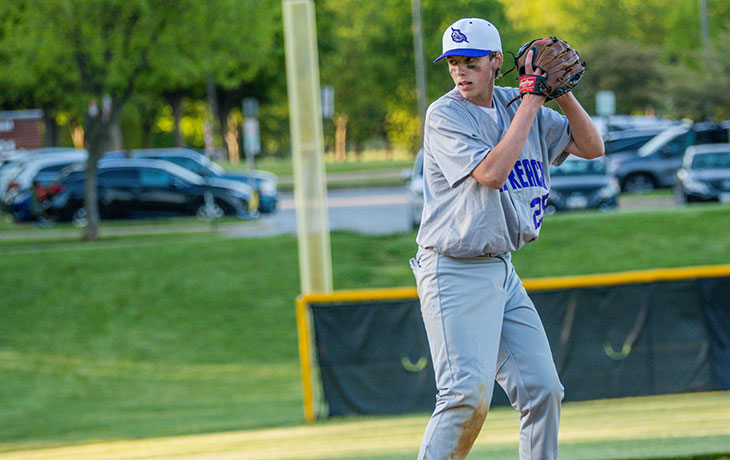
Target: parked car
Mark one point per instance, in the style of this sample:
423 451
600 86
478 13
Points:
704 175
616 123
18 198
15 160
414 185
264 182
629 140
656 163
582 184
139 187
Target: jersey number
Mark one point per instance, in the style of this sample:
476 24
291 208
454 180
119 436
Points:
539 204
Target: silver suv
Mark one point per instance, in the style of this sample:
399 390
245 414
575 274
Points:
657 161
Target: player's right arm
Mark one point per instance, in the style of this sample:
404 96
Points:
494 169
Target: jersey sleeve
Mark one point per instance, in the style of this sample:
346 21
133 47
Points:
454 142
555 130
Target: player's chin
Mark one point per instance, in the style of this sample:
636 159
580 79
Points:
466 91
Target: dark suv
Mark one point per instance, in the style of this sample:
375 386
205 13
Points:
656 162
264 182
629 140
130 188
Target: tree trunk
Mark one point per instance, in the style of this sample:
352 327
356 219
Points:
51 127
341 138
229 130
116 141
232 140
176 102
98 130
213 105
91 201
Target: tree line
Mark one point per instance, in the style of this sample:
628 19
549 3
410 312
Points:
146 73
158 70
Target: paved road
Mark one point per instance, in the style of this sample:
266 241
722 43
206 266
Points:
379 211
376 211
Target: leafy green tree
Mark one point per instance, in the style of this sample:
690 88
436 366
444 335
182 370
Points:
658 59
366 53
95 52
245 55
700 91
633 72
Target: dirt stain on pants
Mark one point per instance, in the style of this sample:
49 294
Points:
470 432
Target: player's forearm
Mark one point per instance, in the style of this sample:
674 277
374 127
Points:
494 170
587 141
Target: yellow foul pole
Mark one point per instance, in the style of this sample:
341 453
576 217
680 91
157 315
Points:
305 114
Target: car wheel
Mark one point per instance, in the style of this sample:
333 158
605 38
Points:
605 207
638 183
79 218
209 211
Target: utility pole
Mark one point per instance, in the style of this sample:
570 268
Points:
420 65
704 26
705 33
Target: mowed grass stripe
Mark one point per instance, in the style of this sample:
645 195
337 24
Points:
592 430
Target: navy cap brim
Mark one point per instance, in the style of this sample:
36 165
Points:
470 52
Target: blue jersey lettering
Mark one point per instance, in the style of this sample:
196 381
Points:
526 173
529 172
538 173
520 174
513 181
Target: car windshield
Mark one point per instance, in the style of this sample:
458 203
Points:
579 168
711 160
216 168
660 139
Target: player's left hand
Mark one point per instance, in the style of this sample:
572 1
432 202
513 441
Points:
548 66
530 71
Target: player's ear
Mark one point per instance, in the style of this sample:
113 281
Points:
497 59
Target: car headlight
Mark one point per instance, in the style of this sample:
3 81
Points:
237 193
610 190
267 188
693 185
253 203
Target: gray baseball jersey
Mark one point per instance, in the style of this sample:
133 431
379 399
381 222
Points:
461 217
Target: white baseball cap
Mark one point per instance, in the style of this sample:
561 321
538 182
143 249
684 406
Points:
471 37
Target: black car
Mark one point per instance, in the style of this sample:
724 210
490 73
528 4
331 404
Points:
264 182
704 175
582 184
129 188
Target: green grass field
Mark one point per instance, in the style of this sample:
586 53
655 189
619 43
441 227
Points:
158 344
666 427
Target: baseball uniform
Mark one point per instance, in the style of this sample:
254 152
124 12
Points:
480 322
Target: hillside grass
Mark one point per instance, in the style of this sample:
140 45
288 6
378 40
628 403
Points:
150 336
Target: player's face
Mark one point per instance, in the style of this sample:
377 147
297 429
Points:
474 77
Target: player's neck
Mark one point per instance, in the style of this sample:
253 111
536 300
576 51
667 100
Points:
484 98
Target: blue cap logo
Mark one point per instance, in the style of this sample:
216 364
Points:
457 36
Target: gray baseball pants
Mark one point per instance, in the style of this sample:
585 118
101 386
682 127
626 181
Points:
482 326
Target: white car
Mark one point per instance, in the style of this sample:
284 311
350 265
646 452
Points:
704 175
42 167
415 192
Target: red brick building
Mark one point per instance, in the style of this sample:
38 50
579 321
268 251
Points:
21 129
